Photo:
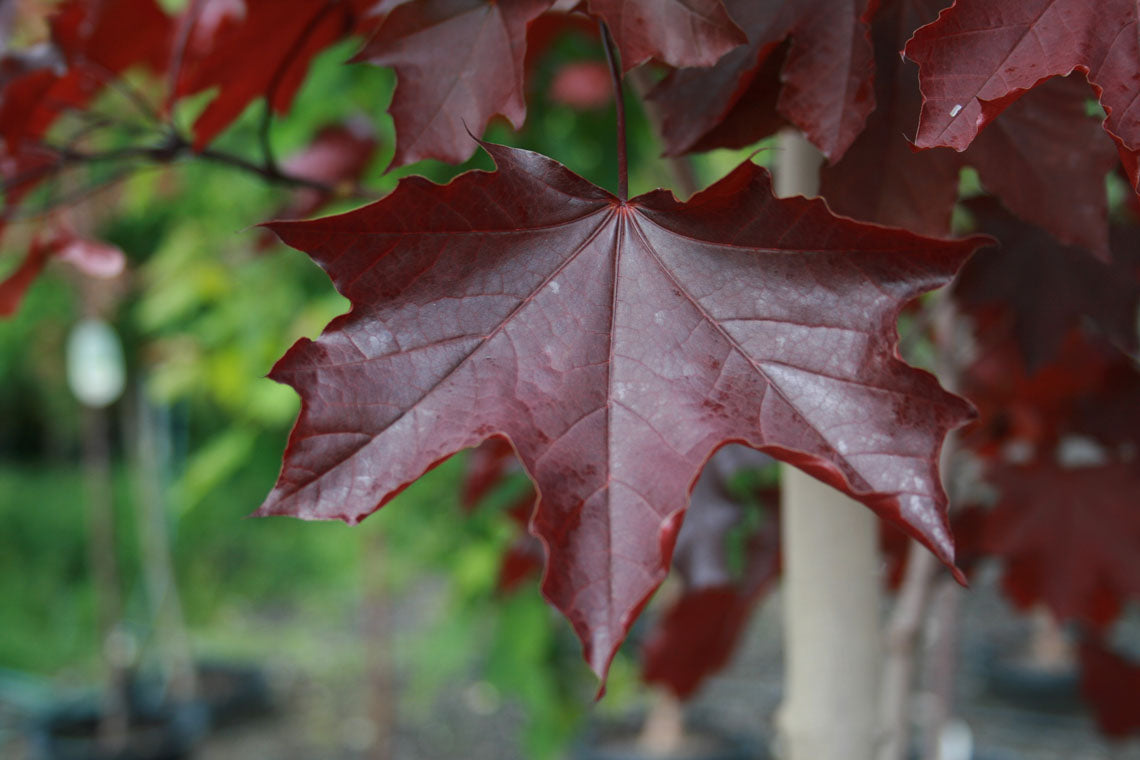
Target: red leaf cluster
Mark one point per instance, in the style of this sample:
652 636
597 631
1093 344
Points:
1025 158
979 57
821 82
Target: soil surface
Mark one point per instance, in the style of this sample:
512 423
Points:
326 709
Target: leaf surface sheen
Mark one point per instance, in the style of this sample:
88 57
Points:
617 345
980 56
458 63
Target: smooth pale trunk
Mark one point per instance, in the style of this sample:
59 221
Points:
832 639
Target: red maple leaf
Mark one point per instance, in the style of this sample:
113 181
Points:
246 61
676 32
441 99
1045 289
978 57
1110 683
1026 157
824 82
1069 537
617 345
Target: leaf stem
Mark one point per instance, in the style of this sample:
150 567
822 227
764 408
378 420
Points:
619 104
175 148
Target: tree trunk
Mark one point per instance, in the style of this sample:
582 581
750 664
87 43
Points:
832 642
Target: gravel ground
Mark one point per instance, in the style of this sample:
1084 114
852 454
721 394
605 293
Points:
326 712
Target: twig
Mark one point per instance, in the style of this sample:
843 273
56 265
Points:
619 104
681 167
178 57
902 637
267 154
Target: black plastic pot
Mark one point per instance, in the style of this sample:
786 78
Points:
702 743
232 693
1014 680
70 732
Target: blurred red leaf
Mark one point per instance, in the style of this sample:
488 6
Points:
583 85
1110 683
338 157
91 257
1045 289
263 52
93 44
1087 389
1069 537
825 82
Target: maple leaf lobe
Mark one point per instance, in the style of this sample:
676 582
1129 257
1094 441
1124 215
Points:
979 57
617 346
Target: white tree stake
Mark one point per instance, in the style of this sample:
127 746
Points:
832 640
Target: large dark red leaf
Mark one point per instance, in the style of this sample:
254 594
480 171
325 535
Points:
263 52
458 63
1069 537
676 32
1110 683
1028 157
1044 288
825 82
617 344
980 56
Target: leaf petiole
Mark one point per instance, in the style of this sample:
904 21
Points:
619 104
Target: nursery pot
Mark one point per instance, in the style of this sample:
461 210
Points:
167 733
1014 679
233 693
699 743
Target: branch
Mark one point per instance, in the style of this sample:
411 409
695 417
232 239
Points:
173 150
